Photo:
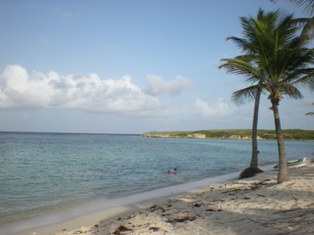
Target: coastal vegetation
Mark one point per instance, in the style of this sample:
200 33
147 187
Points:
288 134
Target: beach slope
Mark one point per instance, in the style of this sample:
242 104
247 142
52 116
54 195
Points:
256 205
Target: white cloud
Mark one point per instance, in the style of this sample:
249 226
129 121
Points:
18 89
158 86
219 108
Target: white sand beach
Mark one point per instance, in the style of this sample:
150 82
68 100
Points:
255 205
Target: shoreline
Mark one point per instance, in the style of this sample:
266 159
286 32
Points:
97 210
111 219
254 205
55 220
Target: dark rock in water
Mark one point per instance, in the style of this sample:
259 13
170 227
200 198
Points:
249 172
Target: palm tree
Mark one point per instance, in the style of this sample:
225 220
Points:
289 66
245 65
275 62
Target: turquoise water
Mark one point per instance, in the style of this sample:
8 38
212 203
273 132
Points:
44 171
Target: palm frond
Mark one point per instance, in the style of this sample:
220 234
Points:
249 73
241 43
244 95
308 31
291 91
308 5
306 80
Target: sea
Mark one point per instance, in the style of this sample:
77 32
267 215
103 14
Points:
45 172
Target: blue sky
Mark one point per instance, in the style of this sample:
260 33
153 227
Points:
118 66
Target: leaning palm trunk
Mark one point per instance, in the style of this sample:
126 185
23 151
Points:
283 167
253 168
254 159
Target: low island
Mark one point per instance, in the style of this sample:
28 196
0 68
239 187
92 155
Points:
288 134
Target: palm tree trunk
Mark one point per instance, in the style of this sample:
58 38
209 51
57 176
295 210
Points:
283 167
254 159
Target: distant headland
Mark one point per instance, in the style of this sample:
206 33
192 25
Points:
238 134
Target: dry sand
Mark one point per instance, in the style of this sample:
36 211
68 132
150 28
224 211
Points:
256 205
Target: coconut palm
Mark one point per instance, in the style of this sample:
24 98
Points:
246 66
274 61
289 65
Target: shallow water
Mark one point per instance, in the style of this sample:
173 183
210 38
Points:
44 171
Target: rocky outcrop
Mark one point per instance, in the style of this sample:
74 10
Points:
197 136
164 135
157 135
239 137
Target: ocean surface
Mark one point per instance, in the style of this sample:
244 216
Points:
42 172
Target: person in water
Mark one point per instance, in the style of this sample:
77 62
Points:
168 172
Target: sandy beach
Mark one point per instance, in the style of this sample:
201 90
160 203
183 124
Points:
255 205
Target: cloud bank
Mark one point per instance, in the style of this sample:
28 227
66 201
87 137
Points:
19 89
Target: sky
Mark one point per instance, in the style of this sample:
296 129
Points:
129 66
